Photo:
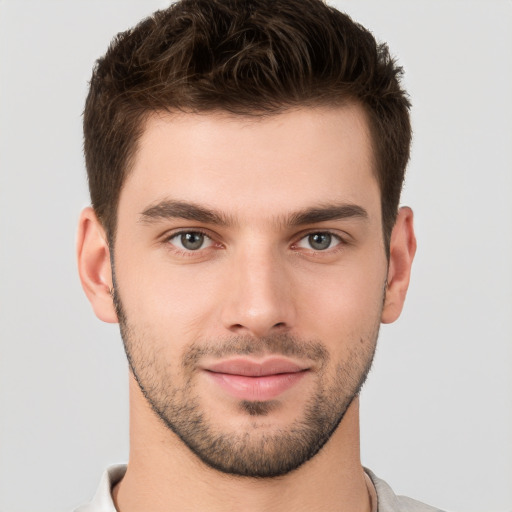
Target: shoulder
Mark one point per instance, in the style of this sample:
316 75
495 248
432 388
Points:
410 505
102 501
388 501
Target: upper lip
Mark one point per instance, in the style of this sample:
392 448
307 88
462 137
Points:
251 368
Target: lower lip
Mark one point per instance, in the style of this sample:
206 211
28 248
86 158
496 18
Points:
256 388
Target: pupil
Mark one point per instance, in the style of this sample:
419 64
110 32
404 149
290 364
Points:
320 241
192 241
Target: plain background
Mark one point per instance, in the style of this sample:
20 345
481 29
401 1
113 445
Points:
437 409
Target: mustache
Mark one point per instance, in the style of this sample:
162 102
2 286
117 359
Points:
275 344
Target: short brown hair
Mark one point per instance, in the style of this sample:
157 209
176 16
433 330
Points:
247 57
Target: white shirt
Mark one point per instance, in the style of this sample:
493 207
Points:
383 498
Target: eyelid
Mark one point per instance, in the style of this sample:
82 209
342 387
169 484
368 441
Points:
341 239
170 235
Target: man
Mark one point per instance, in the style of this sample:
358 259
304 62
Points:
245 162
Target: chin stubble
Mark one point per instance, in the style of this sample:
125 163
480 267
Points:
255 452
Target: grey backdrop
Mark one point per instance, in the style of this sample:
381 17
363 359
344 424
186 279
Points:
437 409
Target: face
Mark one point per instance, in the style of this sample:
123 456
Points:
249 280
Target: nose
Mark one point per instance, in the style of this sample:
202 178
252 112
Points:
259 294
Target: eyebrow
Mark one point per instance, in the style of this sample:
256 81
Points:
182 210
172 209
326 213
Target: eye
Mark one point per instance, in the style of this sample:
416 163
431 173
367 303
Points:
190 240
319 241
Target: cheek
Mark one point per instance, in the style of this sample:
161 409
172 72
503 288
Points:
171 300
185 302
344 303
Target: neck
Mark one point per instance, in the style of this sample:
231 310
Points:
163 474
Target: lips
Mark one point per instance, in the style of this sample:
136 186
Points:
256 380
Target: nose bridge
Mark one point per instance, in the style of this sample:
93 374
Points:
259 295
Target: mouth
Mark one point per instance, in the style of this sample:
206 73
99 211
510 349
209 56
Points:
251 380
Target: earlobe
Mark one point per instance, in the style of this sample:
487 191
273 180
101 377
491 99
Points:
401 255
94 266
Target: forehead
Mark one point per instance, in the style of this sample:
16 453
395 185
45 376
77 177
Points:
249 165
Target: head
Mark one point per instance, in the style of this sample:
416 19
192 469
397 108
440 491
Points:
254 58
245 165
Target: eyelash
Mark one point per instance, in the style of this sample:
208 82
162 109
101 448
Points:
188 253
342 242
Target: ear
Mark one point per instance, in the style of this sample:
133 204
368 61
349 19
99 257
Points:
401 254
94 267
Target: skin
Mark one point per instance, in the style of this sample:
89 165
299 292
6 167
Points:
256 278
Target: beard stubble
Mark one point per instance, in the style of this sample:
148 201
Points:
254 452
